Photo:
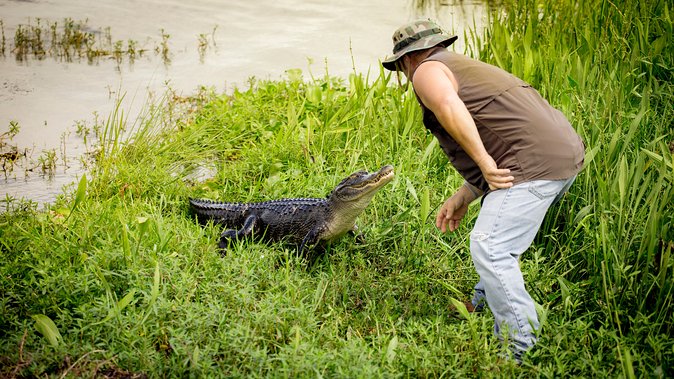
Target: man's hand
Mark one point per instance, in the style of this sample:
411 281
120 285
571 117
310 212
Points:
496 178
451 212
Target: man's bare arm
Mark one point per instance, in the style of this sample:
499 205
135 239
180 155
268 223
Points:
437 89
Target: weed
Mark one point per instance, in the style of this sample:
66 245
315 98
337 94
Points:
14 129
204 43
73 40
3 41
9 154
82 129
163 48
47 161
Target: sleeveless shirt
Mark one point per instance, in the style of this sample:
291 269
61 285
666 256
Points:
518 128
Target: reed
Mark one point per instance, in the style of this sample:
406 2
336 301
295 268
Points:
74 41
3 40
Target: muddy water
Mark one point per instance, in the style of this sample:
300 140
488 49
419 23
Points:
48 98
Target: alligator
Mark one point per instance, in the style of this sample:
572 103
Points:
304 222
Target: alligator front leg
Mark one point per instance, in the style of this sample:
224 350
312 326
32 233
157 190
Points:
358 236
309 240
232 234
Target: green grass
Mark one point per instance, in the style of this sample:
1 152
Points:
117 279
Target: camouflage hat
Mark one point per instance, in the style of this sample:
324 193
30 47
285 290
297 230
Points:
417 35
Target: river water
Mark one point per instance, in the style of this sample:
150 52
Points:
213 43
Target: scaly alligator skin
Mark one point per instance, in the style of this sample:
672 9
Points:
303 221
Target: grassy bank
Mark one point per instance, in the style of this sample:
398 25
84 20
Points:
117 279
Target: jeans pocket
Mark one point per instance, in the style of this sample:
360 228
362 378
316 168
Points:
543 189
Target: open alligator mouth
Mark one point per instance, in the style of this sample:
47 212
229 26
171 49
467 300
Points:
385 173
379 178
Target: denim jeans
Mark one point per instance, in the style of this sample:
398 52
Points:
506 226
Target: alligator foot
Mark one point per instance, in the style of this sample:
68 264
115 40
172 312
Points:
225 239
228 235
360 238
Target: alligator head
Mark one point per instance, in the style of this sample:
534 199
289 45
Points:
357 190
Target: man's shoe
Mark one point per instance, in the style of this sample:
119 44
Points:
469 306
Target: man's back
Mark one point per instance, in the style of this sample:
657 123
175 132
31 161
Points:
519 129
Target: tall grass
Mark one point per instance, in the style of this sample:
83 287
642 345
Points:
117 279
608 66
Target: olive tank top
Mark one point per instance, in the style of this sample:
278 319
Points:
518 128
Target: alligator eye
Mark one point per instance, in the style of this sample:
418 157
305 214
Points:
358 174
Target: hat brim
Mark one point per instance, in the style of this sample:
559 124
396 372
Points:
426 43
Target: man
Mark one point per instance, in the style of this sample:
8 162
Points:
511 147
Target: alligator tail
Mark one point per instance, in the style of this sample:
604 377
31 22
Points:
207 210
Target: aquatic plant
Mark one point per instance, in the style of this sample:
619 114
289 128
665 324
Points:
72 40
204 43
9 153
163 47
3 41
47 161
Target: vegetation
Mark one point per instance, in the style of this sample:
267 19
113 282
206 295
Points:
75 41
117 279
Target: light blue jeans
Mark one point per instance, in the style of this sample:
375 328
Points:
506 226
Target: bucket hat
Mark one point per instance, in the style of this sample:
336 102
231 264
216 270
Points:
416 35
